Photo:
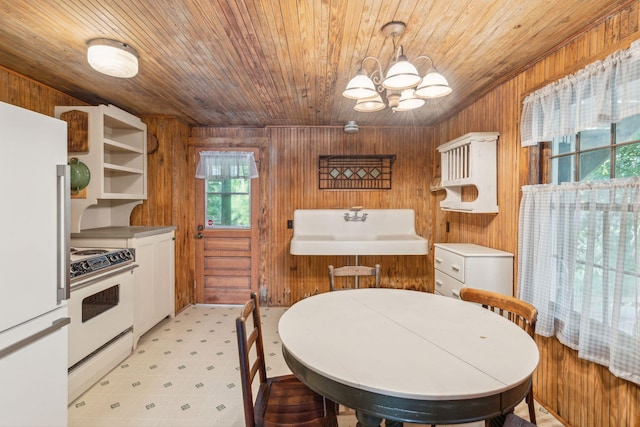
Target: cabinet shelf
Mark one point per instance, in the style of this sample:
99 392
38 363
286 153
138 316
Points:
124 169
117 159
119 147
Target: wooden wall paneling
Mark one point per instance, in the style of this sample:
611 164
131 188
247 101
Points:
293 185
4 85
183 213
26 93
167 203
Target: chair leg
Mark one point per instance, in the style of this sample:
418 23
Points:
532 408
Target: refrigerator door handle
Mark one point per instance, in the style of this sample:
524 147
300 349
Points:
63 227
55 325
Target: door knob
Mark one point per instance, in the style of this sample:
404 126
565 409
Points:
200 236
200 228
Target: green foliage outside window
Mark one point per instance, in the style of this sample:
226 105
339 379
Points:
593 150
228 203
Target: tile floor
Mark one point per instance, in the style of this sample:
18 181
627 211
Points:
184 373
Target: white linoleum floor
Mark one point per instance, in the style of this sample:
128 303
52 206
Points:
184 372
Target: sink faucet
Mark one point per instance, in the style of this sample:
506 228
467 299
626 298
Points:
355 217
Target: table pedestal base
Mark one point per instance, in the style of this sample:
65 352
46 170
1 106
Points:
366 420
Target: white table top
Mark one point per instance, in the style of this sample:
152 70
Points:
407 344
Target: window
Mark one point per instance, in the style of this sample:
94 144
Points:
579 234
227 176
597 154
228 202
578 264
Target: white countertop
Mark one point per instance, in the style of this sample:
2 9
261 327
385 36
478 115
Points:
122 232
408 344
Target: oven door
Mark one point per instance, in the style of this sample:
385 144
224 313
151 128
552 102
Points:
100 308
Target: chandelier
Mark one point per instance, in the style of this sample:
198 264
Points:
404 88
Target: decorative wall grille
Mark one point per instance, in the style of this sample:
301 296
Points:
355 172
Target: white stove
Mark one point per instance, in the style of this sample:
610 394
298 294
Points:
101 312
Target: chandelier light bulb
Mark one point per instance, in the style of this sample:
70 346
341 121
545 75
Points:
433 85
370 105
360 87
408 101
402 75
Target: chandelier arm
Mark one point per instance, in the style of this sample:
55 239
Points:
427 58
376 74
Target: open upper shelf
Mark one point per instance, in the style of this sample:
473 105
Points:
470 161
113 145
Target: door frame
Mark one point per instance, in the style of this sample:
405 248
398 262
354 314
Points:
199 220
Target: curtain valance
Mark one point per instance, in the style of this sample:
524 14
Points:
226 165
602 93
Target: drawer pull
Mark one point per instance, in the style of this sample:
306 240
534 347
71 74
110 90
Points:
456 293
438 260
455 267
439 283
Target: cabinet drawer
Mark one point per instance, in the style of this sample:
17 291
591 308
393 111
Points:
447 286
449 263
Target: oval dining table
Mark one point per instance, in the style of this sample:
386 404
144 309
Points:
408 356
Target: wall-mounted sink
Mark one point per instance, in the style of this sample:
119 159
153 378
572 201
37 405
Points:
384 232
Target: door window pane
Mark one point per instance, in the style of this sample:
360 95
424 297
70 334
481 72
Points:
228 203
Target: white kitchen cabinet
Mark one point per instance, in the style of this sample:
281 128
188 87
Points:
460 265
154 291
470 161
115 151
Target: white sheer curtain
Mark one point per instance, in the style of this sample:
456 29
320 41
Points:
578 264
226 164
602 93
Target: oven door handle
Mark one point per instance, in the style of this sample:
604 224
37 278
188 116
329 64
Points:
63 285
101 278
55 325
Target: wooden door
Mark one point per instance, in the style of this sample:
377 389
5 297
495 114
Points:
226 258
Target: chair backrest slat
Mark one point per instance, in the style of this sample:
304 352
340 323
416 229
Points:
354 271
248 368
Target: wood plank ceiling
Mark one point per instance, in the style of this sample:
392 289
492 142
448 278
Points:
268 62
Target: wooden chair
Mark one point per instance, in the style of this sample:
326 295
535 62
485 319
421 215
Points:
355 271
520 312
282 400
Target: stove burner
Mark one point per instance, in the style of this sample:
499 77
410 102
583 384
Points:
89 252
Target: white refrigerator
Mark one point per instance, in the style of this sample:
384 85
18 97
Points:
34 268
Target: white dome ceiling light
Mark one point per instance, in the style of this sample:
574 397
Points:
112 58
